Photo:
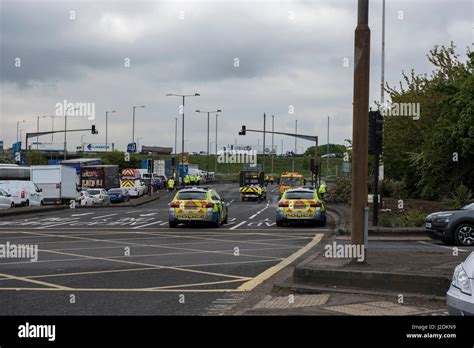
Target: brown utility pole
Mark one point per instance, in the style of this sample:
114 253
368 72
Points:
360 121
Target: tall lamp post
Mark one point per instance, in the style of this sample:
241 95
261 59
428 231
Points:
208 149
175 146
133 122
182 127
37 128
106 127
215 163
18 129
65 132
52 127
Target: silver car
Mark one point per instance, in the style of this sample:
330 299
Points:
459 297
99 196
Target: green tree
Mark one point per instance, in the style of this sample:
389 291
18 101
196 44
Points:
35 157
435 154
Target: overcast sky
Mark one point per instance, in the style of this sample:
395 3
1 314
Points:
290 54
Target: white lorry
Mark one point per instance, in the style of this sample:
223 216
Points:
58 183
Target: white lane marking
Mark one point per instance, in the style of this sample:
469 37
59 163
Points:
230 202
251 284
54 225
239 224
151 223
103 216
83 214
150 214
442 246
261 210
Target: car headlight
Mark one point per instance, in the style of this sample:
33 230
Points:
461 280
444 215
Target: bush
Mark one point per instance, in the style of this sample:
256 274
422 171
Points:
391 188
341 191
412 218
460 197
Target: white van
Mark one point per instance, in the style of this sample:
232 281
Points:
23 192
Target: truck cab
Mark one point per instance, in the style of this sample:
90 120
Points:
252 185
290 180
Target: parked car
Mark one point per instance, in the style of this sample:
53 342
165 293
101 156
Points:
99 196
459 298
23 192
85 198
6 200
164 180
456 226
118 195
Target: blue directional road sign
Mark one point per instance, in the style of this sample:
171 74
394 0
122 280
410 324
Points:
132 147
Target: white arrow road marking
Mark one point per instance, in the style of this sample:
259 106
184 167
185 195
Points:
236 226
261 210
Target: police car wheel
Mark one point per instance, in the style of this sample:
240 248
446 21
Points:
279 223
173 224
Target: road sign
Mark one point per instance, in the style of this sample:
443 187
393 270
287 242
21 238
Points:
183 169
17 157
132 147
16 146
90 147
183 158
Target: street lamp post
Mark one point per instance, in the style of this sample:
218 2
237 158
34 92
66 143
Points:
175 145
182 127
52 128
208 148
106 127
133 123
18 129
37 128
215 163
65 133
273 129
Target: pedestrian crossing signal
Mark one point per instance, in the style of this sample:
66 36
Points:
243 130
93 130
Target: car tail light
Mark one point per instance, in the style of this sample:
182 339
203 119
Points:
209 205
22 194
174 205
283 204
315 204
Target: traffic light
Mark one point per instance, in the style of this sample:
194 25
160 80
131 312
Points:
375 132
93 130
313 166
243 130
150 165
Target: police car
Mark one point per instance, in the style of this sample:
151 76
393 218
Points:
197 205
301 205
